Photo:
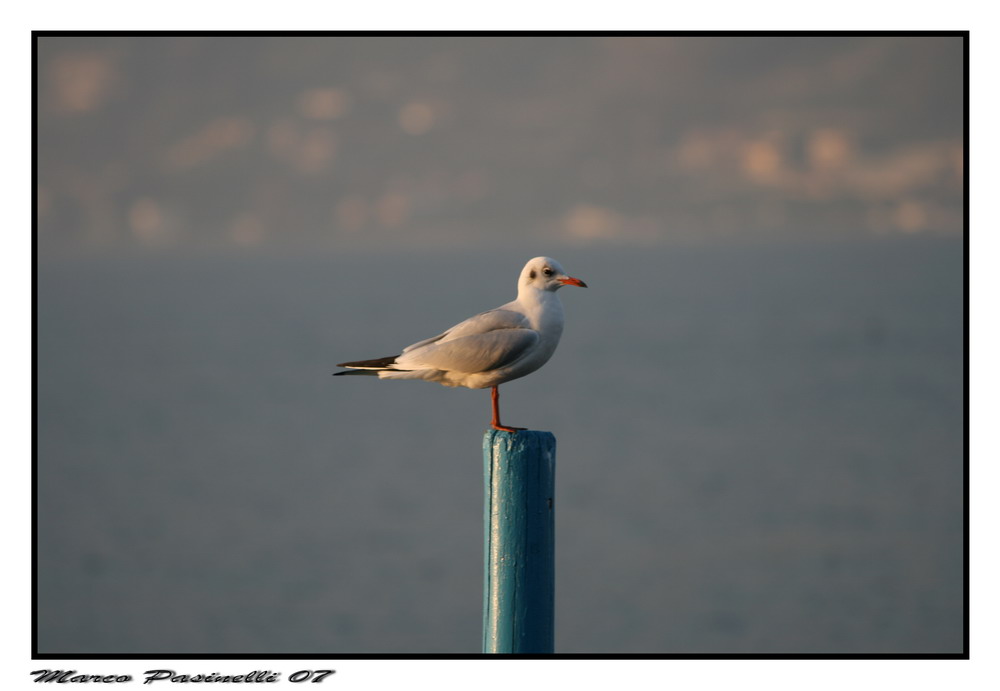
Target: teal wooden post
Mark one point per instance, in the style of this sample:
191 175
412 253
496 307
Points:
519 588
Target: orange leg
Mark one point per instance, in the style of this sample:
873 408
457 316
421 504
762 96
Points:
495 395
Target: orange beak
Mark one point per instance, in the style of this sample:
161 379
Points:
570 281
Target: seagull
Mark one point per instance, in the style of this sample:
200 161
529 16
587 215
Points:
491 348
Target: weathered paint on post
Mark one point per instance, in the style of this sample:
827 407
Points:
519 588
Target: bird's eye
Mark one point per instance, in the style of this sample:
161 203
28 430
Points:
547 271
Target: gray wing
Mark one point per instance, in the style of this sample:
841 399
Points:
480 352
481 323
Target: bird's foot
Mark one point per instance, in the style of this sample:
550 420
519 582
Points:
505 428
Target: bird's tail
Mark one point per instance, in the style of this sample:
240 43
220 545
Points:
369 367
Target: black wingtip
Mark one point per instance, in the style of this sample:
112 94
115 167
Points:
377 362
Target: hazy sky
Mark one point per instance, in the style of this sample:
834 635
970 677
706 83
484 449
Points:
422 141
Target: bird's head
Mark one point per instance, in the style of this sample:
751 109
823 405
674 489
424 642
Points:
543 273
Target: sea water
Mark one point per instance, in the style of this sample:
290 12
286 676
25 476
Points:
760 449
